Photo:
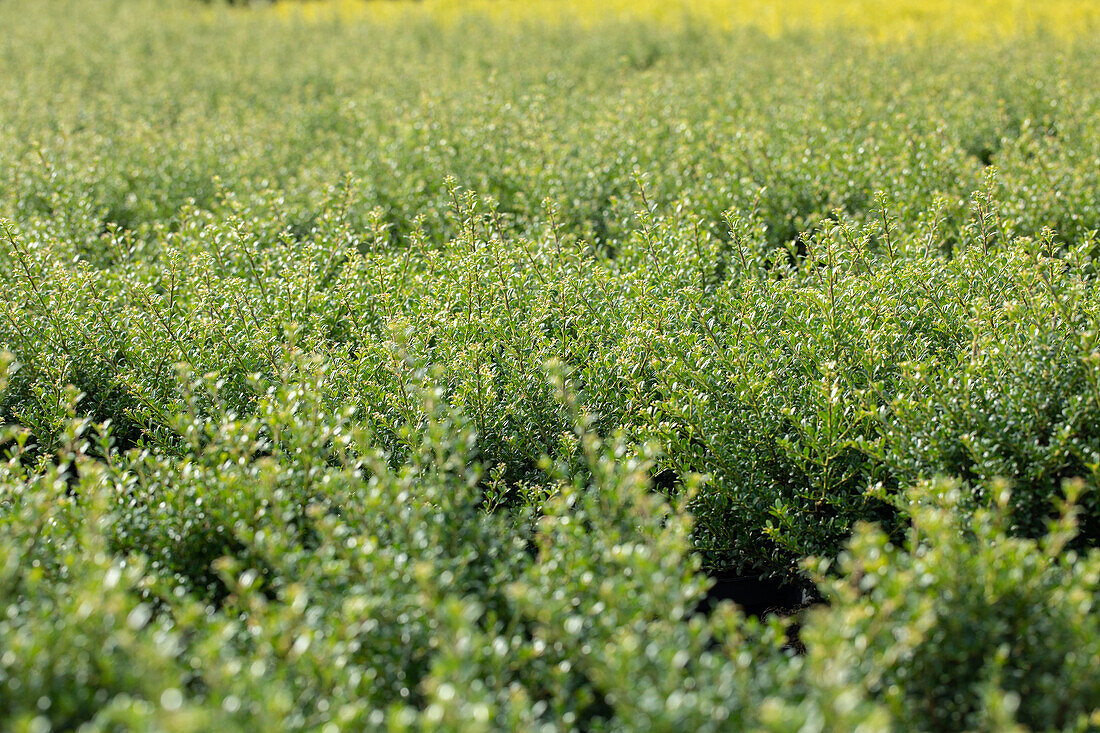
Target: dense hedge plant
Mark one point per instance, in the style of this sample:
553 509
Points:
807 388
351 595
963 626
347 593
360 378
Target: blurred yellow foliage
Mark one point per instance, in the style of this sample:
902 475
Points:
883 20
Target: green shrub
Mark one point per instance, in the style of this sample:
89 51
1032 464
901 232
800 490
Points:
354 594
806 394
962 627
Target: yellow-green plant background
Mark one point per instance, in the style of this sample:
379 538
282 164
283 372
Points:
883 20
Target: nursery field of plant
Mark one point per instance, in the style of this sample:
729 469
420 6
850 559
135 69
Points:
418 365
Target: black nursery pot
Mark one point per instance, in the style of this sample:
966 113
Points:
759 597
